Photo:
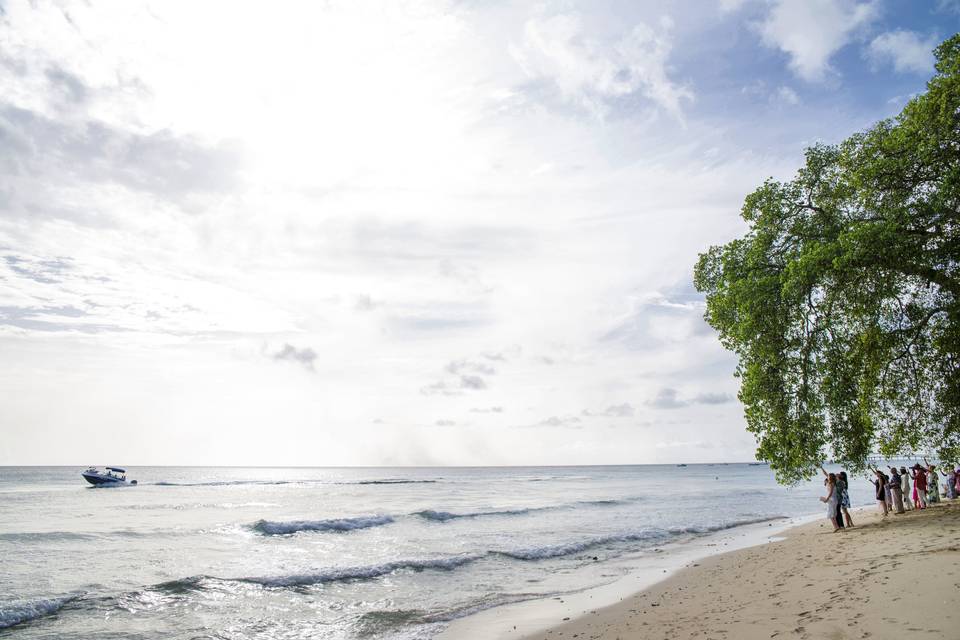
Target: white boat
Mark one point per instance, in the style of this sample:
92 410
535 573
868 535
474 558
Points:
110 476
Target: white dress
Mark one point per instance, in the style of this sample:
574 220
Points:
832 504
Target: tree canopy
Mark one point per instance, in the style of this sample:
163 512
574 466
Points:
841 301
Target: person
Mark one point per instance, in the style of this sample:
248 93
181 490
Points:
880 485
919 486
951 482
844 485
905 488
831 500
838 516
933 483
887 496
896 492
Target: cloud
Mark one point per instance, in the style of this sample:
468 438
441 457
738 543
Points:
951 6
657 319
454 386
907 51
52 318
472 382
669 398
781 95
42 155
812 31
625 410
38 270
486 410
460 375
787 95
458 366
364 302
305 356
729 6
713 398
592 73
685 444
503 355
570 422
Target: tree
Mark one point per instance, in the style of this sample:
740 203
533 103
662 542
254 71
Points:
841 301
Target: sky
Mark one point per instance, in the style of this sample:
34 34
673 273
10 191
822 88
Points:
401 233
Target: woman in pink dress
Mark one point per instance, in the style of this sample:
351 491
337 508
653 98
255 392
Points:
919 486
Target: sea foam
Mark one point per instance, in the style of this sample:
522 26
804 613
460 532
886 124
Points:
280 528
18 612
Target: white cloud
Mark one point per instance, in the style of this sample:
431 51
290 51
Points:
907 51
952 6
592 73
788 95
729 6
304 356
812 31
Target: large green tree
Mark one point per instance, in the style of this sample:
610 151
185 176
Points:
842 301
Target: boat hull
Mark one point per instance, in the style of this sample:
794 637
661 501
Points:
98 480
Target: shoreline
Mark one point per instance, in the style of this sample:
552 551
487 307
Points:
639 571
887 577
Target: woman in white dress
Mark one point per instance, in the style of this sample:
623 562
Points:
831 500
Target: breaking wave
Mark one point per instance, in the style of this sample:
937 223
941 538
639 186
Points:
722 527
280 528
362 573
394 481
14 613
446 516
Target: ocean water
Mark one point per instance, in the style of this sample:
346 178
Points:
344 553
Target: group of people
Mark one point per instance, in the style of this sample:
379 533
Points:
893 491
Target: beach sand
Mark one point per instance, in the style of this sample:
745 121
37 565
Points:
894 577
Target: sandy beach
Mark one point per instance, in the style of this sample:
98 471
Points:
888 577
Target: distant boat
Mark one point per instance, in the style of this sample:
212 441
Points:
681 465
758 464
111 476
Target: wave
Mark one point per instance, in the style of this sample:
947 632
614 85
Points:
383 621
280 528
362 573
393 481
14 613
724 526
51 536
446 516
196 505
225 483
571 548
230 483
27 536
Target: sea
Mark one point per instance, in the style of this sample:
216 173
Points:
372 553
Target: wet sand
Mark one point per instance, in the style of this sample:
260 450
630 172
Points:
893 577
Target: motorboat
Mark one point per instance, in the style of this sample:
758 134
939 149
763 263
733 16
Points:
109 476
